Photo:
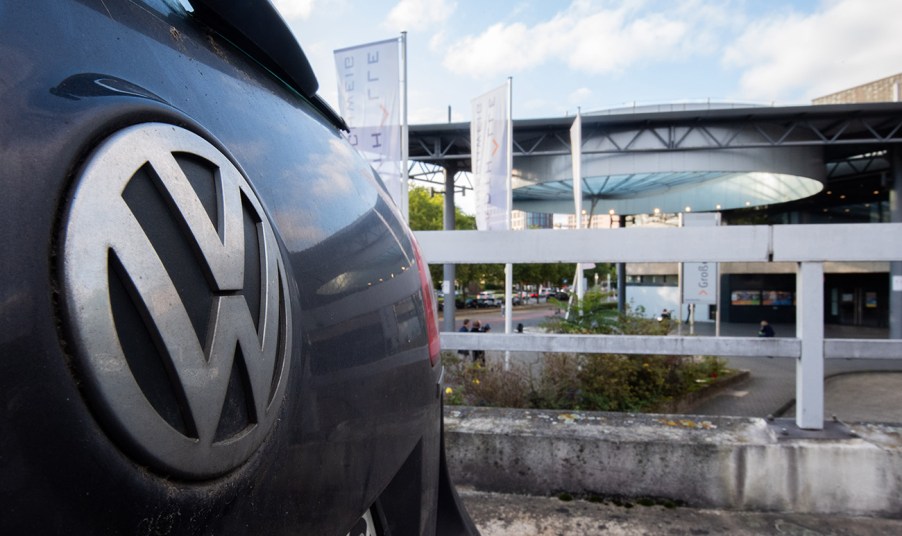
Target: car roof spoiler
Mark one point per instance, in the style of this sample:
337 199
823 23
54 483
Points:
257 28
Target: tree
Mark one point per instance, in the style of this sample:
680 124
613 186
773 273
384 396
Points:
426 210
426 214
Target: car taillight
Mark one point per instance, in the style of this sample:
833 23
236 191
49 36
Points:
429 302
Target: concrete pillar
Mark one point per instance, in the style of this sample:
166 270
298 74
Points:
810 330
449 269
895 270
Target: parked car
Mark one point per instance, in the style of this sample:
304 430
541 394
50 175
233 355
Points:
214 320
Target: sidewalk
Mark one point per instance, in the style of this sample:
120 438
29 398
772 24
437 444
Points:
516 515
855 390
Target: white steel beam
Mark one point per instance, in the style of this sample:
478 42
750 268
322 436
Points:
701 244
623 344
786 243
838 242
810 329
862 349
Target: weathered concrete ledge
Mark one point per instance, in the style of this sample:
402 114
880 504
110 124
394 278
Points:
719 462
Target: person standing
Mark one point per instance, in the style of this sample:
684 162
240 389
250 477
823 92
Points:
766 330
465 328
478 355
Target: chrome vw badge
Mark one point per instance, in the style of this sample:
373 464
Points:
177 301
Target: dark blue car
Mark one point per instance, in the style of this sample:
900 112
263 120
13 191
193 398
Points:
213 319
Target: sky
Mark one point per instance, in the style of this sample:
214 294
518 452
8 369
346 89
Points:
595 55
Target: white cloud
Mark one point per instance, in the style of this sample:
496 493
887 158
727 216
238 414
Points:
294 9
413 14
500 48
587 38
580 96
608 41
437 41
847 43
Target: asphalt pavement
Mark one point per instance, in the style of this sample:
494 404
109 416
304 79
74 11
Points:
855 390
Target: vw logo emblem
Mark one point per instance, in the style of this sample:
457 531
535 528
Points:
177 301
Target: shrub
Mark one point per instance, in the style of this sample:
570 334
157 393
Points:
597 315
558 385
472 384
601 382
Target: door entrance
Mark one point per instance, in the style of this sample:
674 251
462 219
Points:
862 302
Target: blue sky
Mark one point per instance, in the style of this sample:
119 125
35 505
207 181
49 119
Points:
605 54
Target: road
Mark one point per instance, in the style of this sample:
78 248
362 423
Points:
530 315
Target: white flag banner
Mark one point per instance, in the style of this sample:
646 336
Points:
490 144
700 278
576 155
369 99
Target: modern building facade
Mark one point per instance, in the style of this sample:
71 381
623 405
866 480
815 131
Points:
887 89
836 163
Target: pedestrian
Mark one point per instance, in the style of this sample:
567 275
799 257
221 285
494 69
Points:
520 327
478 355
766 330
465 328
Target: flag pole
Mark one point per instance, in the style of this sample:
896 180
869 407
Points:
576 139
509 268
405 174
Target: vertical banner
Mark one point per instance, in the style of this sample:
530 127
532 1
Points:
576 156
369 99
490 142
700 278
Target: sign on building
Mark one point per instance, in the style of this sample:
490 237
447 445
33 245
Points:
700 278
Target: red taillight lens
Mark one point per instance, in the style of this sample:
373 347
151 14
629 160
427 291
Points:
429 302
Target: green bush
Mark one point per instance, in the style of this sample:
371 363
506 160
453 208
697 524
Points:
601 382
596 314
558 386
595 382
472 384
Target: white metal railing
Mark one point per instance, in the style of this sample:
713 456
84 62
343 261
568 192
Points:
810 246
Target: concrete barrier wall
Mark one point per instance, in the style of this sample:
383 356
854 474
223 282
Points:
723 462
